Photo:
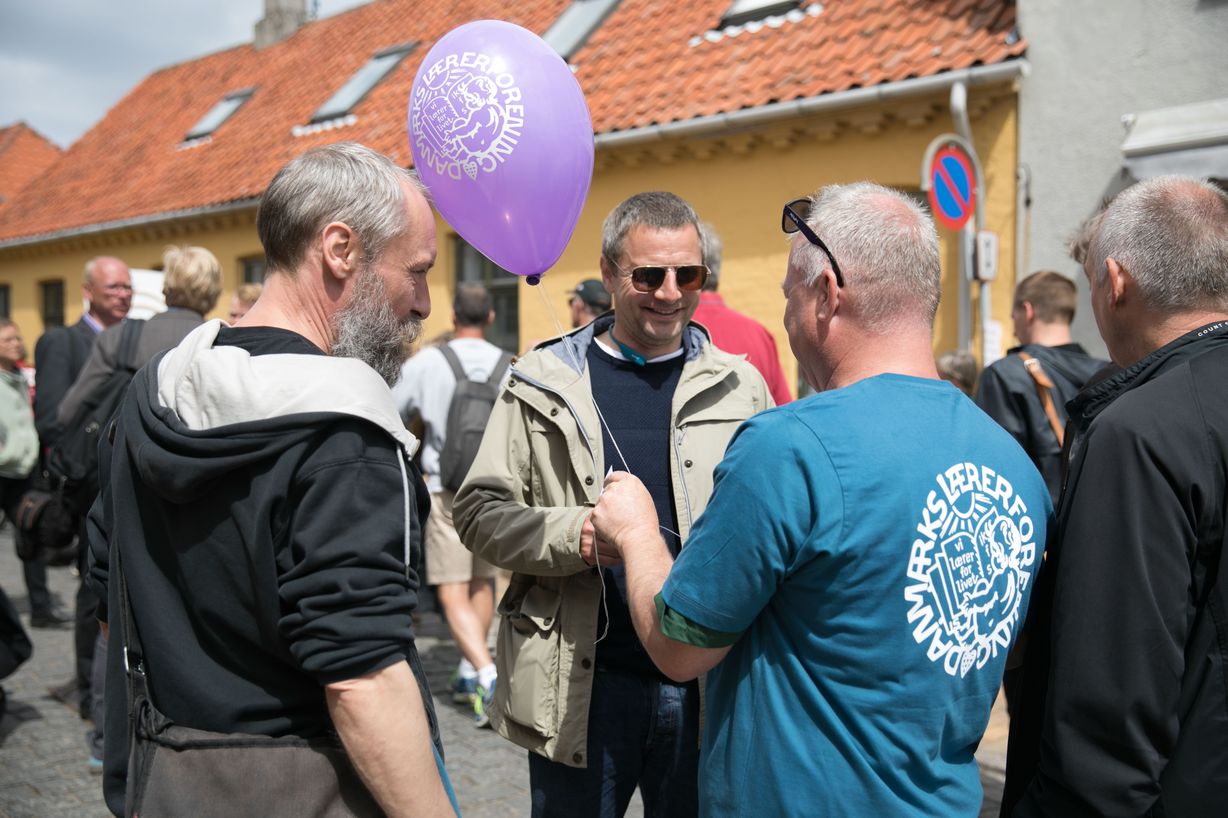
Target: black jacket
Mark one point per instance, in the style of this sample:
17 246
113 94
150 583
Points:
267 555
1008 394
59 355
1123 707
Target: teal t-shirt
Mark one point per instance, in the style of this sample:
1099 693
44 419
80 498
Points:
875 548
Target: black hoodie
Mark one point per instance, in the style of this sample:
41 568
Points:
1123 706
268 539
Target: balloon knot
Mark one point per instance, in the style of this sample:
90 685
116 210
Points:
533 280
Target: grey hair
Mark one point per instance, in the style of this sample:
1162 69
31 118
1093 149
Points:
656 209
711 246
1171 234
345 182
887 249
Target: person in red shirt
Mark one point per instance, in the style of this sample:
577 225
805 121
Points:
734 332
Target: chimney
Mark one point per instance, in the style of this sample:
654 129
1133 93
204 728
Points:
281 19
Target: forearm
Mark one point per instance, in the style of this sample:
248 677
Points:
519 537
382 723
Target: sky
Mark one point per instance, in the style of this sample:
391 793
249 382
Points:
64 63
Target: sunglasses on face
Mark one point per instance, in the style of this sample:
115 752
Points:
794 220
650 277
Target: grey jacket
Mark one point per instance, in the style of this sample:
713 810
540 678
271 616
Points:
163 331
537 475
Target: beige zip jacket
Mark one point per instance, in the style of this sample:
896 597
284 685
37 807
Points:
537 475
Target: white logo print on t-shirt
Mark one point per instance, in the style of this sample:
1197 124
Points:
968 567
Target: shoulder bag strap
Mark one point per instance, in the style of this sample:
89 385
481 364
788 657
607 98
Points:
1044 390
496 375
133 653
129 337
454 362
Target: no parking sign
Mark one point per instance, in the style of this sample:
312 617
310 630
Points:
952 187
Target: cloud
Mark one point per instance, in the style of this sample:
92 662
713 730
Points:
64 63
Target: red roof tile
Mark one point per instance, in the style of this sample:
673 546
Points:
24 155
649 62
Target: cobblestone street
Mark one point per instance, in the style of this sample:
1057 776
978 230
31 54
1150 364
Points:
43 770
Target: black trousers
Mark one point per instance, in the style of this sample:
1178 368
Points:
34 571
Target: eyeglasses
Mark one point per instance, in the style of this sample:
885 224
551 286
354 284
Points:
794 220
650 277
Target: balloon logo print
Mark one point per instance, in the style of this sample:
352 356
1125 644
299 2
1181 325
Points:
501 136
467 115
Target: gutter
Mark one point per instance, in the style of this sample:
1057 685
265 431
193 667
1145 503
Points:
136 221
920 86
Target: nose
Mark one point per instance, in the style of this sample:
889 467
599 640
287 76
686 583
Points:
669 291
422 300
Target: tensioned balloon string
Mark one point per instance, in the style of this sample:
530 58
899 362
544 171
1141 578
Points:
575 360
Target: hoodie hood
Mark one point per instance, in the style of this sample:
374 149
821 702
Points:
199 412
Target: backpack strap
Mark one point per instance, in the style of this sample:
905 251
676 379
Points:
1044 390
496 374
128 339
454 362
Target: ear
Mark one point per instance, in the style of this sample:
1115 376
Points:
607 275
827 301
1029 312
1118 281
339 250
490 318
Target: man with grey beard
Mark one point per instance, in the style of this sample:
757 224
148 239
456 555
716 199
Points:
261 519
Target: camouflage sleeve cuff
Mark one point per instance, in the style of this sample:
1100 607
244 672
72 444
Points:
677 627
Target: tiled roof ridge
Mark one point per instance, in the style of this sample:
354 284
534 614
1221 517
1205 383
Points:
10 133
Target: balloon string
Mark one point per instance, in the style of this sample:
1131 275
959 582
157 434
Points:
575 360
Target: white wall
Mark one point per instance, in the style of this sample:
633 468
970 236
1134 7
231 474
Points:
1094 61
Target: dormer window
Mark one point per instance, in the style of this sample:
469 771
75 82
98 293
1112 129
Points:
359 85
576 24
218 114
744 11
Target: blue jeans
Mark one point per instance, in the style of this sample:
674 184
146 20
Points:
641 731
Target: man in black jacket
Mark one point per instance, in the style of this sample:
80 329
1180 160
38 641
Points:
1026 392
1123 707
60 355
259 502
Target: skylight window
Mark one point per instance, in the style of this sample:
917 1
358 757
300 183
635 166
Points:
576 24
744 11
367 77
218 114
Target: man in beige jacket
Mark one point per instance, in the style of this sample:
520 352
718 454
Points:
642 390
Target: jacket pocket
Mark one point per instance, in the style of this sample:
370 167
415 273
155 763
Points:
531 640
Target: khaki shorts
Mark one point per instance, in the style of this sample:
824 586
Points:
447 560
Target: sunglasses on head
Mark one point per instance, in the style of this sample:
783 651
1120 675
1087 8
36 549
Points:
649 277
794 220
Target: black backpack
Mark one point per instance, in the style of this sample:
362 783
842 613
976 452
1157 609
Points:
74 459
468 414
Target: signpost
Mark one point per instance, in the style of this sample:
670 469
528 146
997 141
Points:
952 187
952 179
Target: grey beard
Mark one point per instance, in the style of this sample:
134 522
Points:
368 329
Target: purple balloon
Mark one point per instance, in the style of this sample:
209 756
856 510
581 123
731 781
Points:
502 138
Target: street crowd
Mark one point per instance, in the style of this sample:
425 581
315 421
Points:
733 602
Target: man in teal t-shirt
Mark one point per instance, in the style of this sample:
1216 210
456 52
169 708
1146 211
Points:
865 562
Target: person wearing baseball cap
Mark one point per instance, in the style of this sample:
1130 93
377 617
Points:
588 300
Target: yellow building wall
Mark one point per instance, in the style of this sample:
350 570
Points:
736 182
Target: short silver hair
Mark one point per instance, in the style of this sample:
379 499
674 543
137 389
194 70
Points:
887 249
345 182
1171 234
657 209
